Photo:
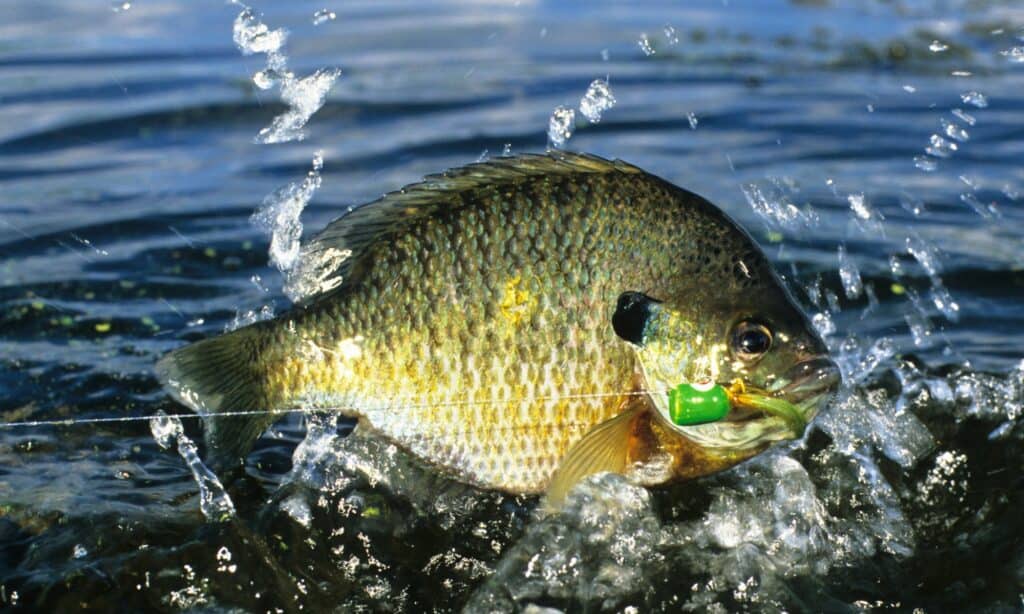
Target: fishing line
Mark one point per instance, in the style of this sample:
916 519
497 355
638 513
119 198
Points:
295 410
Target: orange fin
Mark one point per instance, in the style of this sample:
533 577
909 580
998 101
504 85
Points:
604 448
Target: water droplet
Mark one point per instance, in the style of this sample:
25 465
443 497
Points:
940 147
605 55
896 266
79 552
911 204
849 274
910 89
120 7
560 126
860 206
692 118
265 79
278 215
597 100
645 45
953 131
925 254
165 429
964 116
323 16
823 323
671 37
304 97
252 36
773 204
986 211
1014 54
926 164
249 316
943 301
974 98
937 47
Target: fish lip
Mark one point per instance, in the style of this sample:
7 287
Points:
808 383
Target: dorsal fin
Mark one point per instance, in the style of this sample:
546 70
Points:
327 259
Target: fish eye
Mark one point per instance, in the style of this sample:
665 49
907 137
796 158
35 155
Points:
750 340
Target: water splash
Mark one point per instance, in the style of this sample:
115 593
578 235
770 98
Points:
245 317
964 116
304 96
954 131
214 501
322 16
849 274
645 45
596 101
940 147
773 201
560 126
926 164
671 36
1014 54
279 215
974 98
911 203
253 36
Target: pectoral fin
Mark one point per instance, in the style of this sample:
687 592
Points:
604 448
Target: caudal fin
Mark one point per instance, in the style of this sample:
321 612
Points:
217 376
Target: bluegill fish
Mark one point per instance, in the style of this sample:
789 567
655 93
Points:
518 323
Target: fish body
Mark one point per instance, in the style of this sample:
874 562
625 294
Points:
469 319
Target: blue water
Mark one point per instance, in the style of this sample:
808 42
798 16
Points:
129 171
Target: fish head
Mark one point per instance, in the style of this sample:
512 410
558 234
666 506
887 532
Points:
750 338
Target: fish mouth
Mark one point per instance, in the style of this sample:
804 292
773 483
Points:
760 416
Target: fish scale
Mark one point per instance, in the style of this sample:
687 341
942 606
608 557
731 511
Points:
494 281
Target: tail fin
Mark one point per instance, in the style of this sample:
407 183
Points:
221 375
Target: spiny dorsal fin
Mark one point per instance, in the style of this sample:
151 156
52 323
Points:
328 258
